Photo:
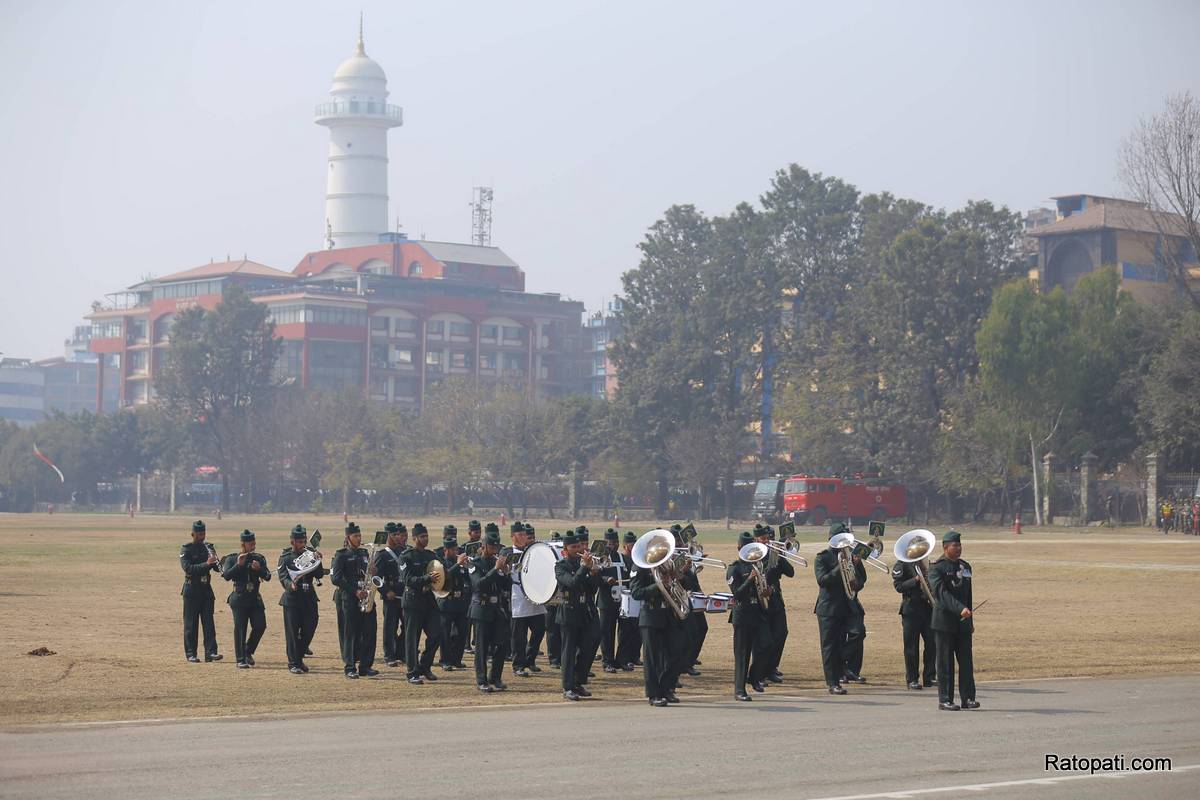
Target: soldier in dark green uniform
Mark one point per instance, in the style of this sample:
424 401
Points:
391 594
834 609
420 608
488 574
697 623
299 601
453 607
653 622
246 569
609 602
553 628
592 636
199 562
349 572
776 610
950 582
751 633
578 577
916 616
679 631
629 637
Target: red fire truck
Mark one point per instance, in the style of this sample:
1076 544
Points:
812 500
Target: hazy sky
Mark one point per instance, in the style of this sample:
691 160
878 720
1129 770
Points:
146 138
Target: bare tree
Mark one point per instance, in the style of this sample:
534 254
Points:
1160 165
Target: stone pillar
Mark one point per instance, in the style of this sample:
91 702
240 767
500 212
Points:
1087 473
1047 488
1152 489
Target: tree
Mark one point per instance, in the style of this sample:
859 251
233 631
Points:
1159 163
450 440
357 443
1168 410
218 375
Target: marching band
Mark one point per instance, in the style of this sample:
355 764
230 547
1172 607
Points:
636 602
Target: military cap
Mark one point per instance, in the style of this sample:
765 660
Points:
555 536
581 530
298 532
630 537
836 527
530 530
449 530
769 531
449 541
745 538
247 535
352 528
611 535
571 538
952 536
492 537
419 528
516 527
758 526
676 528
473 525
492 527
401 528
198 526
390 527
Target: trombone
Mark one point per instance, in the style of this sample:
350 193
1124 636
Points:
787 550
698 559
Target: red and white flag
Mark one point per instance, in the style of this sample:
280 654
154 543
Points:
49 463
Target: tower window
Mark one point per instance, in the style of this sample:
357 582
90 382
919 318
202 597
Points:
414 268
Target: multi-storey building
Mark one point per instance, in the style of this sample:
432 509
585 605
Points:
603 328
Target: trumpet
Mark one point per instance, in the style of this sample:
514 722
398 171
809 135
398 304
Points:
600 555
753 554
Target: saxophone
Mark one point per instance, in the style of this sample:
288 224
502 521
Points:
370 581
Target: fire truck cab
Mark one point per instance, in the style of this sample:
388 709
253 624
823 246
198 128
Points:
813 500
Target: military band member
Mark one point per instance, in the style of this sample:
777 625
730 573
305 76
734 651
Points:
528 617
592 637
950 582
246 569
299 601
420 609
553 628
609 602
350 570
391 594
199 562
471 548
697 622
489 572
629 634
834 610
751 631
679 632
776 611
653 625
916 616
577 577
453 607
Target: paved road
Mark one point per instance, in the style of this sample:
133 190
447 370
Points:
872 743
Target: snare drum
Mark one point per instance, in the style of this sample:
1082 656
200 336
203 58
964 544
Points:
718 602
630 608
699 601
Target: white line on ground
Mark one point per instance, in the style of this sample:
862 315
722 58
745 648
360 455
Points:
983 787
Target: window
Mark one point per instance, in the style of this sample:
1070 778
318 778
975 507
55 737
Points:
487 360
828 488
402 356
433 358
414 269
379 325
514 362
137 330
107 330
460 360
513 334
435 328
323 315
291 361
172 291
404 387
489 332
333 366
379 356
460 329
137 361
379 386
404 326
796 487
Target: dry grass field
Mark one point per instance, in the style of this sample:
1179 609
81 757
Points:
103 593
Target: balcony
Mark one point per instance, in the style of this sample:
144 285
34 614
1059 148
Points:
361 109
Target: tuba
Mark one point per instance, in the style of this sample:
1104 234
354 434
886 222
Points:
913 548
754 554
655 551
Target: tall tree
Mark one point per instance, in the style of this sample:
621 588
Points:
218 373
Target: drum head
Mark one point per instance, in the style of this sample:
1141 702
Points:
537 572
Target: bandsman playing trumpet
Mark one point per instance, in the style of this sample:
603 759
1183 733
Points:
578 577
489 572
246 570
453 607
199 562
751 634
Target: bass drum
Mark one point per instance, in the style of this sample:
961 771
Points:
537 573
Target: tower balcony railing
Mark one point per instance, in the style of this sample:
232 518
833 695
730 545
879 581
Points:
359 108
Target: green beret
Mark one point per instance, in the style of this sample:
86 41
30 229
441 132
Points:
247 535
529 529
298 532
571 538
352 528
492 528
630 537
492 537
952 536
581 530
419 528
449 530
198 526
516 527
611 535
449 541
401 528
390 528
676 528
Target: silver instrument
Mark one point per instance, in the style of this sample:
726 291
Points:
304 563
786 550
754 554
655 551
914 548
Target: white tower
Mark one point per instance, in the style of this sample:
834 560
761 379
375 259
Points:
358 117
